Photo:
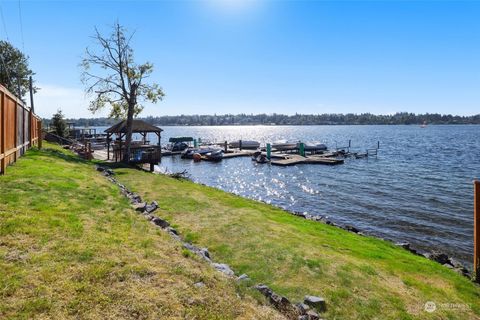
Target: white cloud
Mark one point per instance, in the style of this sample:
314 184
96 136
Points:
71 101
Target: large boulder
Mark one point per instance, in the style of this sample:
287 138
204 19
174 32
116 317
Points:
149 208
439 257
264 289
140 207
160 222
223 268
315 302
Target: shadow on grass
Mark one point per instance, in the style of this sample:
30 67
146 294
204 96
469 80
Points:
62 155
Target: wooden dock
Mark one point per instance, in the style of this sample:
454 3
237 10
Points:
237 153
291 160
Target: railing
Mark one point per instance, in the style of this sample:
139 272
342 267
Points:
140 154
20 129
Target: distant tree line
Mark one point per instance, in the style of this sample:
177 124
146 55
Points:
297 119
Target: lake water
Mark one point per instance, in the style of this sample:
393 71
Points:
419 189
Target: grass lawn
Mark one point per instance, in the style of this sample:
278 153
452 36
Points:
71 247
360 277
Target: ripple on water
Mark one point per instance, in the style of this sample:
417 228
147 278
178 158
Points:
418 189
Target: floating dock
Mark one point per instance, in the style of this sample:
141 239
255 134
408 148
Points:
237 153
291 160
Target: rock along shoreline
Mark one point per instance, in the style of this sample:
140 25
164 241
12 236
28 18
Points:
311 306
308 309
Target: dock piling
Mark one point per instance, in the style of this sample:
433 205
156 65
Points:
302 149
225 146
269 151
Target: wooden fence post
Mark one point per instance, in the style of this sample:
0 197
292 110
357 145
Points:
30 138
39 128
3 161
476 230
15 130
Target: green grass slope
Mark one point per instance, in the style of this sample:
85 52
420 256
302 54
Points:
72 248
360 277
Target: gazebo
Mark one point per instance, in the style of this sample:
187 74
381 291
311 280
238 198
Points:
141 151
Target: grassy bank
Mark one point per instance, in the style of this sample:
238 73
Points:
71 247
360 277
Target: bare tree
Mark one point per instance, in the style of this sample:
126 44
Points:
114 80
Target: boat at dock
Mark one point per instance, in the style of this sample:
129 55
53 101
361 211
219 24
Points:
314 146
215 155
190 152
283 145
245 144
260 157
179 143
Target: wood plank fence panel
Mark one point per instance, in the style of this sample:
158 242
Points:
19 129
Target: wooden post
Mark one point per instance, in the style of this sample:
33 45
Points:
30 138
240 144
476 230
225 146
15 131
160 146
269 151
108 146
3 161
23 131
31 94
39 129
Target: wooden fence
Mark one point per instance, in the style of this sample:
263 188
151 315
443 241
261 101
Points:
20 129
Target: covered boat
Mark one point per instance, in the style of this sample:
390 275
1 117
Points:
215 155
245 144
314 146
282 145
179 143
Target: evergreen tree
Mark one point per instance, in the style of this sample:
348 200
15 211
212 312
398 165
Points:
14 70
59 124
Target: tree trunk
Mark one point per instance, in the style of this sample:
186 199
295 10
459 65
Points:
128 142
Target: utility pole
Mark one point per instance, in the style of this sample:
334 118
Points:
31 94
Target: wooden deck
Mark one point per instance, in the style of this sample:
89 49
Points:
237 153
294 159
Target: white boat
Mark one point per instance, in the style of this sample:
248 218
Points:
284 145
246 144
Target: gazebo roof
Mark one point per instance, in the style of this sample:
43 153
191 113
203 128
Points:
138 126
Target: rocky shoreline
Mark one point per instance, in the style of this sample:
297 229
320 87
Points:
434 255
312 306
308 309
440 257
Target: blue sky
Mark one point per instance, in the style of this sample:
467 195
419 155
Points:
258 56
